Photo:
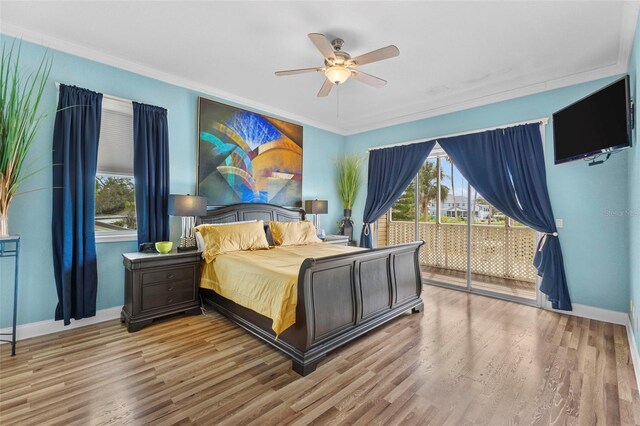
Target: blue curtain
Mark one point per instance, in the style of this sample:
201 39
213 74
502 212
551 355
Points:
151 172
391 170
506 167
75 157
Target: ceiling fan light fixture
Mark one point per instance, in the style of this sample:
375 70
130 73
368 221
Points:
339 66
337 74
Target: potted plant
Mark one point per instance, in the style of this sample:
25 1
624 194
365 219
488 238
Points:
19 123
349 181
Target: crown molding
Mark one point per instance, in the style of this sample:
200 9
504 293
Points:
85 52
491 98
459 103
627 33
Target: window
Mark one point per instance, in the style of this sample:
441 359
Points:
115 195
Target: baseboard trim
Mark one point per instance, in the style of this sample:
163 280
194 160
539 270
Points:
633 348
591 312
40 328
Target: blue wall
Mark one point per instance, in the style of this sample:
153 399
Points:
634 191
595 246
30 214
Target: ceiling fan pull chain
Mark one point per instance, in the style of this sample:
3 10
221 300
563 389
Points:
338 101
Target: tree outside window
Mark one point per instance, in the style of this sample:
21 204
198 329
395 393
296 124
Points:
115 203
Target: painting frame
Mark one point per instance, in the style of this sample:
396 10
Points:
246 169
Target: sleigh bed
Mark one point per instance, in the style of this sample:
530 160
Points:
339 297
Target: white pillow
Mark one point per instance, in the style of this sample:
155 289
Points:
200 243
200 239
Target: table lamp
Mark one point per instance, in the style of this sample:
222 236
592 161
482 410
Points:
187 206
316 207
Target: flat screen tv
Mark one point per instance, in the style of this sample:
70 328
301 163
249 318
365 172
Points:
597 124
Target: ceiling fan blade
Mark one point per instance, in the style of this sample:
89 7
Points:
376 55
298 71
368 79
325 89
323 45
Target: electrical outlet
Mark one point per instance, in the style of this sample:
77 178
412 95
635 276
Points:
559 223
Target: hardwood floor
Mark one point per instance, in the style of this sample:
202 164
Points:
467 359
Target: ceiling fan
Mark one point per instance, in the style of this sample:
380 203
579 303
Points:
339 65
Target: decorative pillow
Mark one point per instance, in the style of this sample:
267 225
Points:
200 240
293 233
267 230
229 238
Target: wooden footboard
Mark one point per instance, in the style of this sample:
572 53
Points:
342 297
339 298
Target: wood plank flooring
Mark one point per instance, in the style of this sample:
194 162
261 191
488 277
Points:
467 359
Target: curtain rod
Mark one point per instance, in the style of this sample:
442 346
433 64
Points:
110 97
544 121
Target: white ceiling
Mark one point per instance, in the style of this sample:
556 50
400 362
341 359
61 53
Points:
453 55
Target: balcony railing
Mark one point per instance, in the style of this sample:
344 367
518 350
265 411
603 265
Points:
496 251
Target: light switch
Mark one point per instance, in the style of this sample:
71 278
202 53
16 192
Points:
559 223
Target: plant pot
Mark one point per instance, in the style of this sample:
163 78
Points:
4 225
347 224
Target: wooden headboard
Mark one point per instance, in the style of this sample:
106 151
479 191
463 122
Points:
252 211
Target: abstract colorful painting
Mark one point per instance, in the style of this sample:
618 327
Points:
246 157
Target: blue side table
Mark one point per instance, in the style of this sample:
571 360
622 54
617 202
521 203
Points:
10 247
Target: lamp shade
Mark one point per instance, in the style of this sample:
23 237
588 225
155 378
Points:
316 206
187 205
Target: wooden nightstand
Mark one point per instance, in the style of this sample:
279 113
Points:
341 240
156 285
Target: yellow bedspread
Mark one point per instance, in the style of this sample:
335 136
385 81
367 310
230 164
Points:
265 280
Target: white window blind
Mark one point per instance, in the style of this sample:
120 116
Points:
115 149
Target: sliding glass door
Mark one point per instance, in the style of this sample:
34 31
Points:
501 253
469 244
443 224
